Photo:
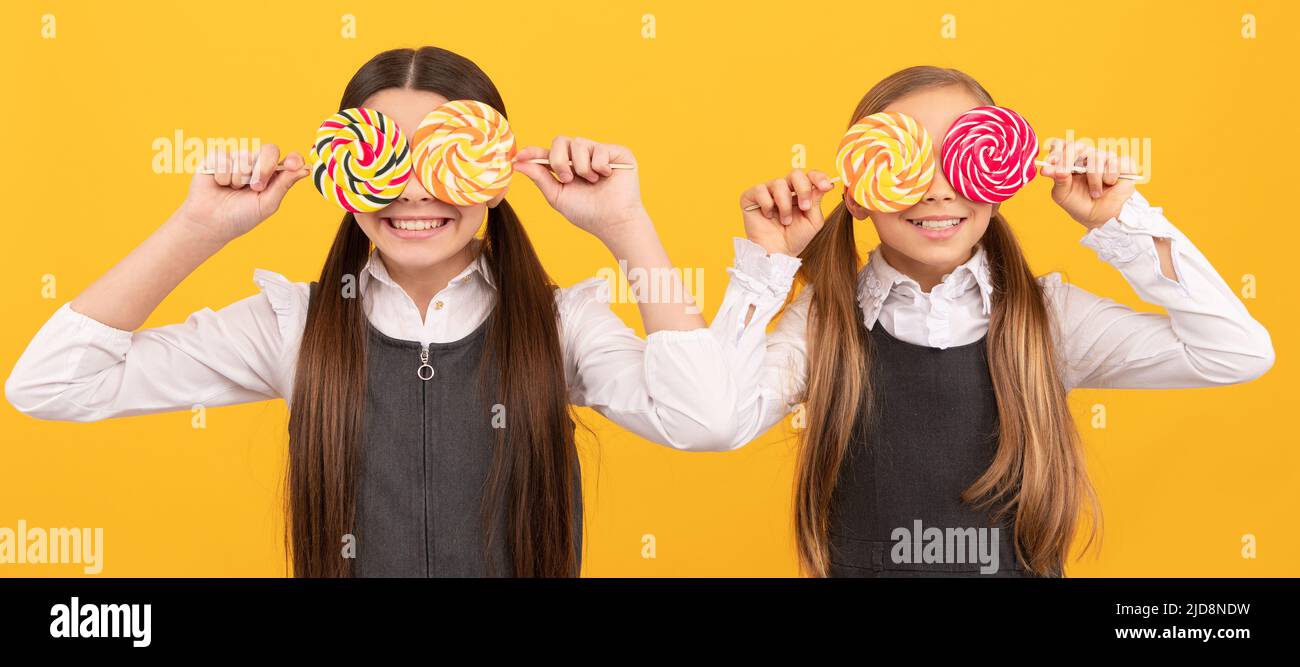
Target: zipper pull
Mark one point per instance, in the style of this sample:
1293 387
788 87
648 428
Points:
425 371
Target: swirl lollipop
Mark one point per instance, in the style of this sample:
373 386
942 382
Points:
988 154
464 152
886 161
361 160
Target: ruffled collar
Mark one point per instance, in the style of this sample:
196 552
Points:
878 278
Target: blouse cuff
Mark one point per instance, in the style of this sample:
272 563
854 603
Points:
1130 235
78 339
760 272
280 292
1125 237
86 329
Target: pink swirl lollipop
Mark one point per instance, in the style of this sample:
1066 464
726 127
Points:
988 154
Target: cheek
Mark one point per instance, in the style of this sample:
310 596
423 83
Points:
368 222
476 216
888 225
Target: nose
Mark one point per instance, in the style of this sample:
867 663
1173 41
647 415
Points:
415 191
940 189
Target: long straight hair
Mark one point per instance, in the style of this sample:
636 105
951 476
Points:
532 475
1037 476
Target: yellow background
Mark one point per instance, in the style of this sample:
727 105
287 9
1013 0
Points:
711 105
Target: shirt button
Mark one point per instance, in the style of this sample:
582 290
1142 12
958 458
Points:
437 305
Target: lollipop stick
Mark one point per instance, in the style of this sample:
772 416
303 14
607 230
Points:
612 165
1078 169
209 172
755 207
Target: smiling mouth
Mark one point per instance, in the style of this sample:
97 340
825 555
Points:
416 224
936 223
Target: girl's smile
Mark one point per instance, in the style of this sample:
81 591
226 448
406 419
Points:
937 227
416 227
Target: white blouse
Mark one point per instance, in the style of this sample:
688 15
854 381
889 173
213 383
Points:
672 387
1207 338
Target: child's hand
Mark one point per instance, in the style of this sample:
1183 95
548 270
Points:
580 184
1094 197
245 190
783 223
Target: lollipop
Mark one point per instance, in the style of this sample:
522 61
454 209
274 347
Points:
988 154
886 161
464 152
361 160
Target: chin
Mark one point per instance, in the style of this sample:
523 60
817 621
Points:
418 254
951 255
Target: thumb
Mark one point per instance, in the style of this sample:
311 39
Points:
1062 181
1056 170
537 173
294 171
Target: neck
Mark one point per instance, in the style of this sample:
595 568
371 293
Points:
926 275
422 283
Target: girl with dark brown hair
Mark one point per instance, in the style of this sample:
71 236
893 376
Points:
934 378
429 370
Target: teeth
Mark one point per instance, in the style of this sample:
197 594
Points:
936 224
417 225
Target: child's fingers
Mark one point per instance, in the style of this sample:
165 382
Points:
803 188
1093 173
279 182
821 180
294 161
243 170
221 175
1111 174
209 167
619 154
759 195
600 160
561 160
538 174
581 150
780 190
1050 160
268 156
236 171
1127 165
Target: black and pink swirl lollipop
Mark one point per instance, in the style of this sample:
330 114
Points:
988 154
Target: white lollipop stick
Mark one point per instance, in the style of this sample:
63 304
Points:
1078 169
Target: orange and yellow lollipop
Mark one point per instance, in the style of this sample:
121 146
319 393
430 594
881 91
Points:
886 161
464 152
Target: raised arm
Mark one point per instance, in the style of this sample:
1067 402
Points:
86 363
606 202
1206 337
674 387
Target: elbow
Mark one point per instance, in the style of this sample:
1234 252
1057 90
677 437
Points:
1237 367
20 393
711 438
1257 359
1257 364
34 398
714 429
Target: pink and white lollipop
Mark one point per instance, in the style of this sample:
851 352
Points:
988 154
